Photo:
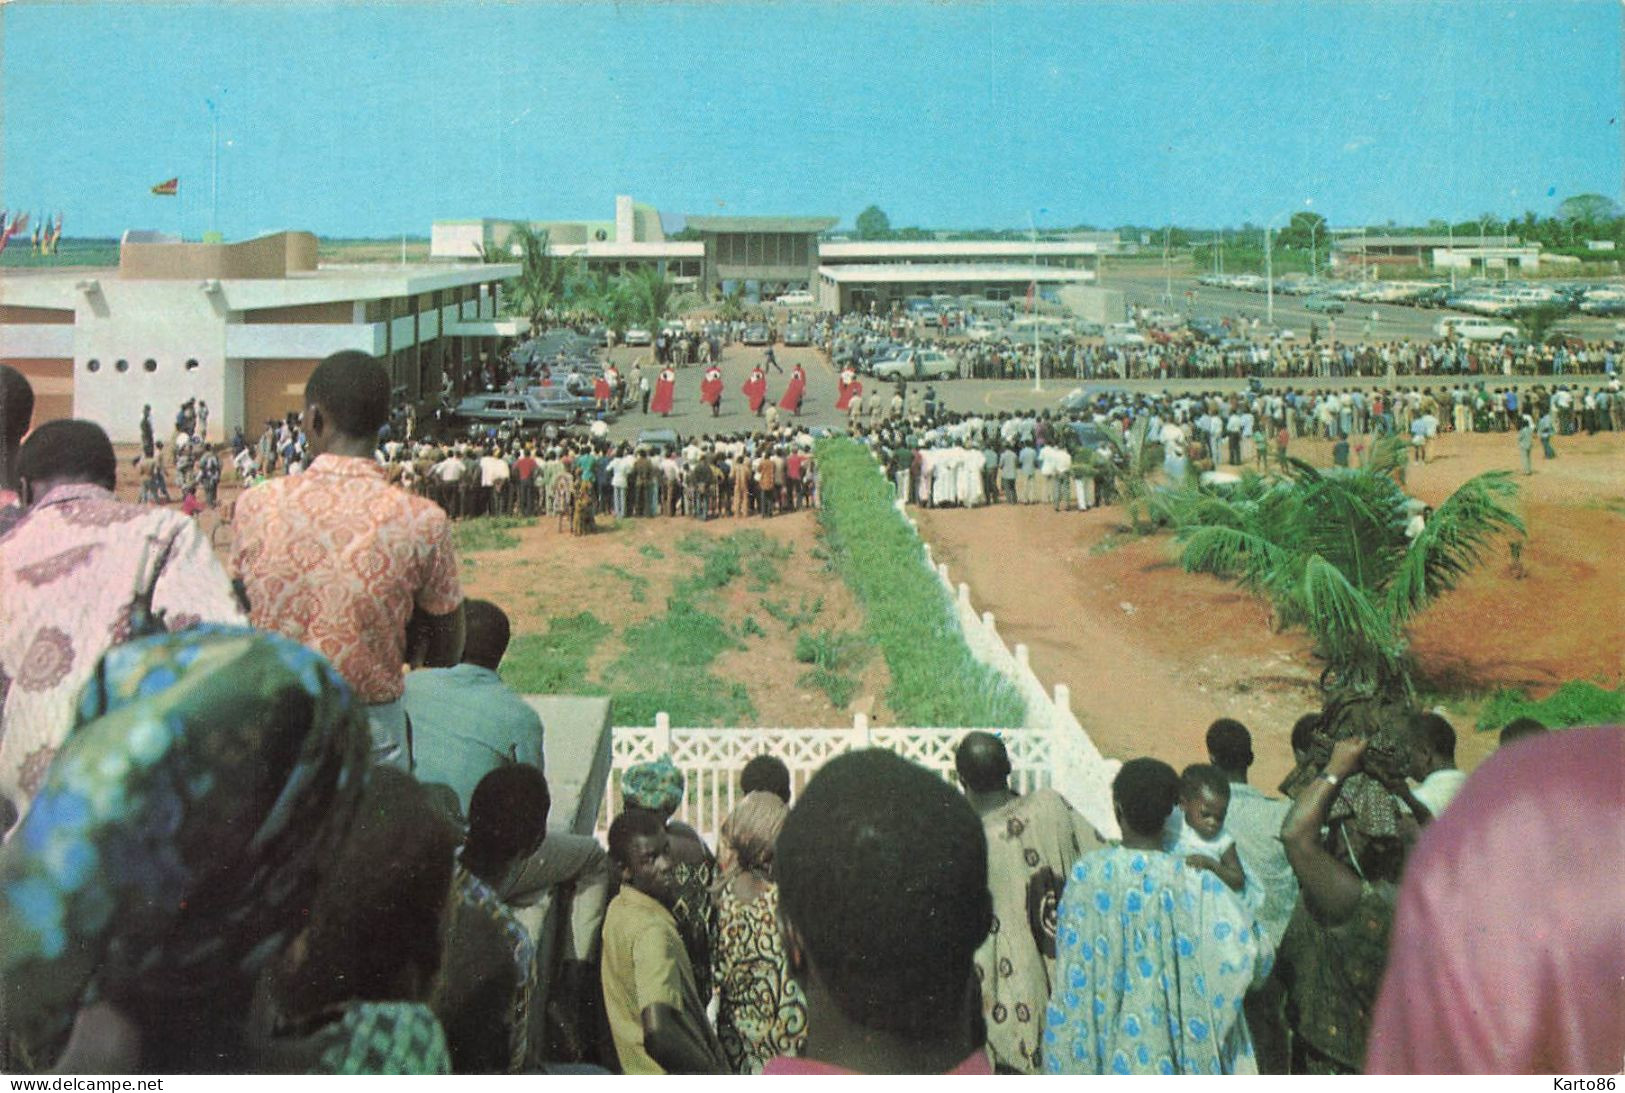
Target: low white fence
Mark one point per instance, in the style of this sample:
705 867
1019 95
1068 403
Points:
1079 772
711 759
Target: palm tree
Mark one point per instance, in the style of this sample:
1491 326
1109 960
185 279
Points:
1329 550
538 291
645 298
732 306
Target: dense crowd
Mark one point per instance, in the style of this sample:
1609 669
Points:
283 815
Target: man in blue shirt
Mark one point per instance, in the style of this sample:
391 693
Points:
465 721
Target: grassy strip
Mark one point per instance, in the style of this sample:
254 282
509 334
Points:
1575 703
487 533
935 679
833 656
555 662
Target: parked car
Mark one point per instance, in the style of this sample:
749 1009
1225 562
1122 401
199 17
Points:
1329 305
658 440
525 408
981 330
757 334
917 364
1124 334
1474 328
797 334
795 299
637 335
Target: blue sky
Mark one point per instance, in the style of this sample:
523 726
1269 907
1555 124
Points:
375 119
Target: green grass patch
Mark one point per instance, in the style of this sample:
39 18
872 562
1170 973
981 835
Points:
652 552
1575 703
555 662
834 656
637 584
935 680
794 618
488 533
664 668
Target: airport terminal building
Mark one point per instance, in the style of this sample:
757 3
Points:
786 253
237 325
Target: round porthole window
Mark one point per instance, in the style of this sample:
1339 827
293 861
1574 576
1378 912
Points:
150 365
122 365
191 364
93 365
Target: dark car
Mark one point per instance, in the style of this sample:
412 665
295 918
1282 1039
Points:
757 334
1329 305
797 334
524 408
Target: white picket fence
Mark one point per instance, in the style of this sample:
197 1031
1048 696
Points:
711 758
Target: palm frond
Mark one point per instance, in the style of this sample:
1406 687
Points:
1452 542
1386 455
1234 553
1350 628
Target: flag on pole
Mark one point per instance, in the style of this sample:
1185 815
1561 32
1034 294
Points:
168 189
55 235
11 229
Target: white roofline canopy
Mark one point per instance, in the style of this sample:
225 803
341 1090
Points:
969 273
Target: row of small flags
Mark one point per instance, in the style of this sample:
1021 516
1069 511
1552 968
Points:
45 238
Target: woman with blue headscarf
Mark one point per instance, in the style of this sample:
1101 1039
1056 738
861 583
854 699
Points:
181 833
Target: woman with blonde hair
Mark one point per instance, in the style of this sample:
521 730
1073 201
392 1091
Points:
762 1013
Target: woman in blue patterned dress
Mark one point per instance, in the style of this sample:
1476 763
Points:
1153 957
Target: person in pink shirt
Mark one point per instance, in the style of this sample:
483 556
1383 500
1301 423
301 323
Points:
883 901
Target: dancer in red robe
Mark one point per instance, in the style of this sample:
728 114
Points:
665 388
756 389
711 389
601 389
848 386
794 393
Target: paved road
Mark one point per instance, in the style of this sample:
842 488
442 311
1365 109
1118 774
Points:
690 417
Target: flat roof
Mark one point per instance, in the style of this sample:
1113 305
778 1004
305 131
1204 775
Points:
956 249
1355 242
325 284
957 271
627 250
762 223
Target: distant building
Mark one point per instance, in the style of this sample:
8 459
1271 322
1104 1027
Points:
238 325
775 254
1464 251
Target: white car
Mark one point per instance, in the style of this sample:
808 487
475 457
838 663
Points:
1124 334
1474 328
638 336
795 299
916 364
981 330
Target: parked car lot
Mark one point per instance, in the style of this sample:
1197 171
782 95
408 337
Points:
917 364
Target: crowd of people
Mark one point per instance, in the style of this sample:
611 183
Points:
281 814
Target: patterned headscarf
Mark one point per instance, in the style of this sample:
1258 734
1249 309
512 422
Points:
657 786
182 829
752 828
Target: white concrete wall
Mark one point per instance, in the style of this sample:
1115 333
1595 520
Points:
456 240
299 340
169 322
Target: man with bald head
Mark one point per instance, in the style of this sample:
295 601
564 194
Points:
1032 842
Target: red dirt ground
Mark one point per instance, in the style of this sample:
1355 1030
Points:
1153 654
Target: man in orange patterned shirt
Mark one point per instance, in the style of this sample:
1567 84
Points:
340 560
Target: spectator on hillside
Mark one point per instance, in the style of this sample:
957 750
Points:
484 993
766 773
658 787
225 768
1433 762
353 990
656 1009
342 561
1255 822
1518 972
884 901
16 412
1032 842
71 572
1154 957
762 1012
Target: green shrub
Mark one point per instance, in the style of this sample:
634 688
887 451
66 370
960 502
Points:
935 679
1575 703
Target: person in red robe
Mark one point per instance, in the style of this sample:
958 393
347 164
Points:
665 388
600 392
711 389
756 389
794 393
848 387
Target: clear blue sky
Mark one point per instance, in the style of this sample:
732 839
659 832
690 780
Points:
369 120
